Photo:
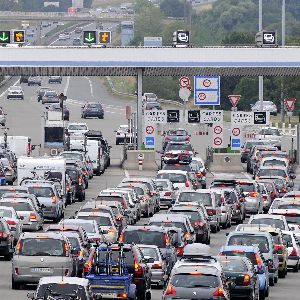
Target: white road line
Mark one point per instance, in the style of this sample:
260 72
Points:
3 93
126 173
91 85
247 175
67 85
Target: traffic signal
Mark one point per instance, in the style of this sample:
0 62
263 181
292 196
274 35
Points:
19 36
89 37
104 37
5 37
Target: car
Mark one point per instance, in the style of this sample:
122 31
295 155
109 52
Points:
174 149
263 240
50 96
6 240
10 172
179 179
80 128
15 92
23 79
256 258
149 97
41 91
123 134
34 80
60 287
77 41
158 266
151 235
271 172
92 110
78 29
62 36
201 170
245 150
2 117
57 107
76 176
272 134
55 79
271 188
245 282
266 105
166 192
39 255
176 135
152 105
206 197
198 221
13 221
277 221
292 245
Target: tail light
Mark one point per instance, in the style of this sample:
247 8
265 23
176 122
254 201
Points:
79 181
28 149
18 247
258 259
187 138
87 267
156 266
168 193
180 251
187 184
68 188
204 172
122 295
237 206
247 280
11 222
111 230
219 292
294 252
187 236
121 238
283 190
3 235
170 290
80 253
66 249
53 199
211 212
167 240
265 197
138 269
198 224
223 200
279 248
253 194
167 139
32 217
199 174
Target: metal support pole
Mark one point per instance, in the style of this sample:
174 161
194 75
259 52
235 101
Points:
283 44
140 109
39 34
260 78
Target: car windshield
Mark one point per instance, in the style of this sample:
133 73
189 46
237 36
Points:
5 213
193 215
94 105
150 252
177 132
247 187
72 174
18 206
123 129
292 217
288 206
274 162
41 191
204 198
62 290
173 177
74 242
101 220
271 172
75 156
195 280
269 221
170 224
287 238
88 227
269 131
249 145
145 237
43 246
163 184
260 242
250 255
50 94
233 265
77 127
184 147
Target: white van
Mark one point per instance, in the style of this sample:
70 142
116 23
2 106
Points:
94 151
20 145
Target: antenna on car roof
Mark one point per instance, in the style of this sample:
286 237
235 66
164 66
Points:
62 273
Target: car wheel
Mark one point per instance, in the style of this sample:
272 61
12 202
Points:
272 281
267 292
8 256
282 274
262 295
15 285
214 229
117 142
276 279
81 197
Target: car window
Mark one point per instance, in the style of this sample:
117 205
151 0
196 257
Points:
269 221
170 224
5 213
271 172
88 227
77 127
260 242
185 147
204 198
74 242
195 280
274 162
249 255
18 206
101 220
163 184
42 247
233 265
173 177
145 237
150 252
41 191
193 215
288 206
247 187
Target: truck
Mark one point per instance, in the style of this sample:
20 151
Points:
53 166
54 135
20 145
94 150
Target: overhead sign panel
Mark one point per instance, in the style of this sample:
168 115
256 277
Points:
173 115
105 37
250 118
5 37
19 36
90 37
207 90
211 116
155 116
194 116
218 135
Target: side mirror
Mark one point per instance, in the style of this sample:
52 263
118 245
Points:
43 206
149 260
293 176
30 295
289 244
196 152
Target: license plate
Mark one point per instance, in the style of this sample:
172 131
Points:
108 295
41 270
116 270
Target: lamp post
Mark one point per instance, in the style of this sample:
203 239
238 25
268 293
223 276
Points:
260 78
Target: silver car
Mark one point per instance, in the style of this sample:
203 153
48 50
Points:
166 192
2 117
41 254
13 221
156 263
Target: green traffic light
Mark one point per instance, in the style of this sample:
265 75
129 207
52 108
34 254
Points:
89 37
4 37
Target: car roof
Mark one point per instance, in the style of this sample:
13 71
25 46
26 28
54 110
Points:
267 216
203 269
250 249
168 217
77 221
146 228
64 279
49 234
172 171
250 232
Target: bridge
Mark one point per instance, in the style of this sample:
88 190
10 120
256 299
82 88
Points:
61 16
96 61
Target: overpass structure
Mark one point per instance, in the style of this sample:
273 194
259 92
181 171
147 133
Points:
140 61
61 16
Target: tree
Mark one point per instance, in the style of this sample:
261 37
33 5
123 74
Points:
174 8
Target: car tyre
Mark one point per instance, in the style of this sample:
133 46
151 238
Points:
296 268
282 274
15 285
262 295
214 229
272 281
275 279
81 197
208 241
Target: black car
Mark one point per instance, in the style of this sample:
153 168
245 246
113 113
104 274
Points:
6 240
40 92
24 79
55 79
34 80
92 110
77 177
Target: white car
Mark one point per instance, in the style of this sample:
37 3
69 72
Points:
271 134
121 133
13 220
62 37
149 97
293 249
180 179
77 128
15 92
276 221
267 106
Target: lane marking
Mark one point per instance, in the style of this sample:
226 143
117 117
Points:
126 173
67 85
1 95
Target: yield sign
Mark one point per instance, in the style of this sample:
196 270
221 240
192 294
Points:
234 99
290 103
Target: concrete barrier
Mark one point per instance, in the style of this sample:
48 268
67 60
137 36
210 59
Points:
132 161
226 163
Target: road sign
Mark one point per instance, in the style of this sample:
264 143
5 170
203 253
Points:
211 116
141 156
234 99
218 135
19 36
185 82
242 118
182 37
261 118
149 142
155 116
269 37
235 143
105 37
89 37
236 131
194 116
290 103
173 115
184 93
128 112
207 90
5 37
149 129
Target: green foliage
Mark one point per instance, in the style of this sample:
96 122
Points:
174 8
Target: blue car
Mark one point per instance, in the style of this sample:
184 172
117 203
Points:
253 254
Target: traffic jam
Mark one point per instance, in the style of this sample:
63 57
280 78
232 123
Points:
147 233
